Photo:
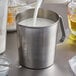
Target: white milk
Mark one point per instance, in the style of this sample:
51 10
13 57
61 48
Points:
3 22
40 22
39 2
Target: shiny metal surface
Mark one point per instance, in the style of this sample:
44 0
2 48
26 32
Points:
37 44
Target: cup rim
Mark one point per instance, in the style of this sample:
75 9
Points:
37 27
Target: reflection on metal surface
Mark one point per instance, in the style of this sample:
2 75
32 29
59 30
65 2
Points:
37 44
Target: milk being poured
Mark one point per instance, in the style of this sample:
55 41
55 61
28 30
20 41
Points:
39 2
36 22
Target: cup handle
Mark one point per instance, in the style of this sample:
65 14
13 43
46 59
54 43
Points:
62 29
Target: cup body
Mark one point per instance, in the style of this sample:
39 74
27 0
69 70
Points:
36 45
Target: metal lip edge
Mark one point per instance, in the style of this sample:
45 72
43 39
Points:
38 27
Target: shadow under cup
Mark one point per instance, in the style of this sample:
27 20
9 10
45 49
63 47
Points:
36 45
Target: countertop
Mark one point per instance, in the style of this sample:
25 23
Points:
64 52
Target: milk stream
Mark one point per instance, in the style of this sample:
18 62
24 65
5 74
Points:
39 2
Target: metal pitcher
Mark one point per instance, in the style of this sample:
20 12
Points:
36 45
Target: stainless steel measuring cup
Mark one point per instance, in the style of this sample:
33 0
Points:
36 45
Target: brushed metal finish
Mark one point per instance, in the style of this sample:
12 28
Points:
37 44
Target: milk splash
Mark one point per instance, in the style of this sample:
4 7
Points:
39 2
